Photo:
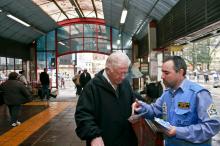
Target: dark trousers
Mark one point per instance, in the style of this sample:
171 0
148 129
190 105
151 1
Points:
78 89
14 110
45 91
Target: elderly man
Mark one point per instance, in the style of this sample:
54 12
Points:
104 106
187 106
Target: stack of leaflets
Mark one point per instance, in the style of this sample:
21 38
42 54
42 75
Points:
162 123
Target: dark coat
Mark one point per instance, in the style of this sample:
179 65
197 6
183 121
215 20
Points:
154 90
44 78
14 92
102 112
84 79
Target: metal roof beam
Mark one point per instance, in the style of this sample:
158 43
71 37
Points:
60 9
77 8
93 4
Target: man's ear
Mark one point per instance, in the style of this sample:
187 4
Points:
181 71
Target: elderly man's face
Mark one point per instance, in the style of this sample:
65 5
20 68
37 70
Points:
117 74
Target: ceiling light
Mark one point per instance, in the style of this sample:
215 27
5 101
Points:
118 41
0 11
61 43
123 16
18 20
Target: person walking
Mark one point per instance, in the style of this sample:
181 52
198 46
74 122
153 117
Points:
85 77
187 106
14 94
62 82
77 83
104 106
44 79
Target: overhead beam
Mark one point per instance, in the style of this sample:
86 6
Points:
94 7
77 8
148 14
60 9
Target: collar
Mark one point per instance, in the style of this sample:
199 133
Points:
183 86
106 76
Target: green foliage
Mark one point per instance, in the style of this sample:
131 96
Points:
201 52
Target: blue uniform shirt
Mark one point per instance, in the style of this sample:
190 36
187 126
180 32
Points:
190 108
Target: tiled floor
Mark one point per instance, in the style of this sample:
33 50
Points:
43 124
25 110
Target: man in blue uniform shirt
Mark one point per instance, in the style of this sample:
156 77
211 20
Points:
187 106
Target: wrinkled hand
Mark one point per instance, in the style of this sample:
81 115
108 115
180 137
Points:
97 142
138 106
171 132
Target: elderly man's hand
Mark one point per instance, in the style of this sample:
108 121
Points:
138 107
97 142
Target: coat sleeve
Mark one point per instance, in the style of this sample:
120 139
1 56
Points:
85 117
209 121
25 92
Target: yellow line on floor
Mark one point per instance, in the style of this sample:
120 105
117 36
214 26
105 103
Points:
38 103
18 134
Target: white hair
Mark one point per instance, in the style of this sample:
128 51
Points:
117 59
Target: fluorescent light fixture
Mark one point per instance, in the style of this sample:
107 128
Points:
61 43
118 41
18 20
123 16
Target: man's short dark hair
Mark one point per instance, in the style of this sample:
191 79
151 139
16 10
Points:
21 72
179 63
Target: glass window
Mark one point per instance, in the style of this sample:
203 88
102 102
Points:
103 32
41 44
115 39
18 65
89 30
63 33
63 46
10 65
76 30
90 44
76 44
104 46
41 60
2 63
126 41
51 62
3 74
51 40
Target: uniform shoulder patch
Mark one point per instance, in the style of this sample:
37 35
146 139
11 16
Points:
212 111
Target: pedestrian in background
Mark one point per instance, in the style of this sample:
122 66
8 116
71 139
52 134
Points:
104 106
21 77
14 94
76 81
45 81
85 77
62 82
187 106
